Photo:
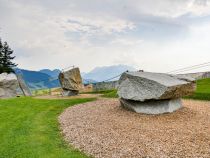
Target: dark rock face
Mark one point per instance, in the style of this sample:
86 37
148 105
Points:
71 81
152 106
69 92
138 88
8 85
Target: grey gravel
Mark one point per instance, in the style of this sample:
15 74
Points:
104 129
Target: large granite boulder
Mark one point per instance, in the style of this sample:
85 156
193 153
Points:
8 85
142 86
71 81
153 93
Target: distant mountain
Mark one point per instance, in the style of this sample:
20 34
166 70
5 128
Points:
38 80
53 73
88 81
46 78
106 72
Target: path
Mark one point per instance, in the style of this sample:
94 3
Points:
103 129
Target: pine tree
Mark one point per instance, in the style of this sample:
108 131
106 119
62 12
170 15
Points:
1 49
6 59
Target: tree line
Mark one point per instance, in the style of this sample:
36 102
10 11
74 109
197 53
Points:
6 64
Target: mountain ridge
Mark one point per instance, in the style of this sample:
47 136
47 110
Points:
106 72
46 78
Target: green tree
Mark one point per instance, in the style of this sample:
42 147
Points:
1 48
6 64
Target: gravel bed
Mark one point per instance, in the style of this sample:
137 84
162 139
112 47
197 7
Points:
104 129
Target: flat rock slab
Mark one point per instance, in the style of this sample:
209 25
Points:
104 129
152 106
142 86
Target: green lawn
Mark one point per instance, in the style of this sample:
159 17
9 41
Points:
29 128
110 94
105 93
202 91
41 92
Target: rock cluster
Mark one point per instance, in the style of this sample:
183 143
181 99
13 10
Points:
8 85
71 82
153 93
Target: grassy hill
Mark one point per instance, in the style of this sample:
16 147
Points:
53 73
203 90
203 86
106 72
47 78
38 80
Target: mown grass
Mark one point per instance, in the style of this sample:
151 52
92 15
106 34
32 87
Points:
110 94
105 93
41 92
203 90
29 128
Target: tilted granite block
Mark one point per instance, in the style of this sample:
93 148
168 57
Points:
71 81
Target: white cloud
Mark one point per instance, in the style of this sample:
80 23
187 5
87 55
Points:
98 25
126 42
172 8
57 34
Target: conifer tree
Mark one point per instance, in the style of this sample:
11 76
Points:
1 48
6 64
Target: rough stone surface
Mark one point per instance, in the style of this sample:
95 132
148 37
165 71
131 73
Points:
153 106
8 85
104 129
142 86
23 86
71 81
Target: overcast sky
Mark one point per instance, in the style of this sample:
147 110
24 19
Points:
154 35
